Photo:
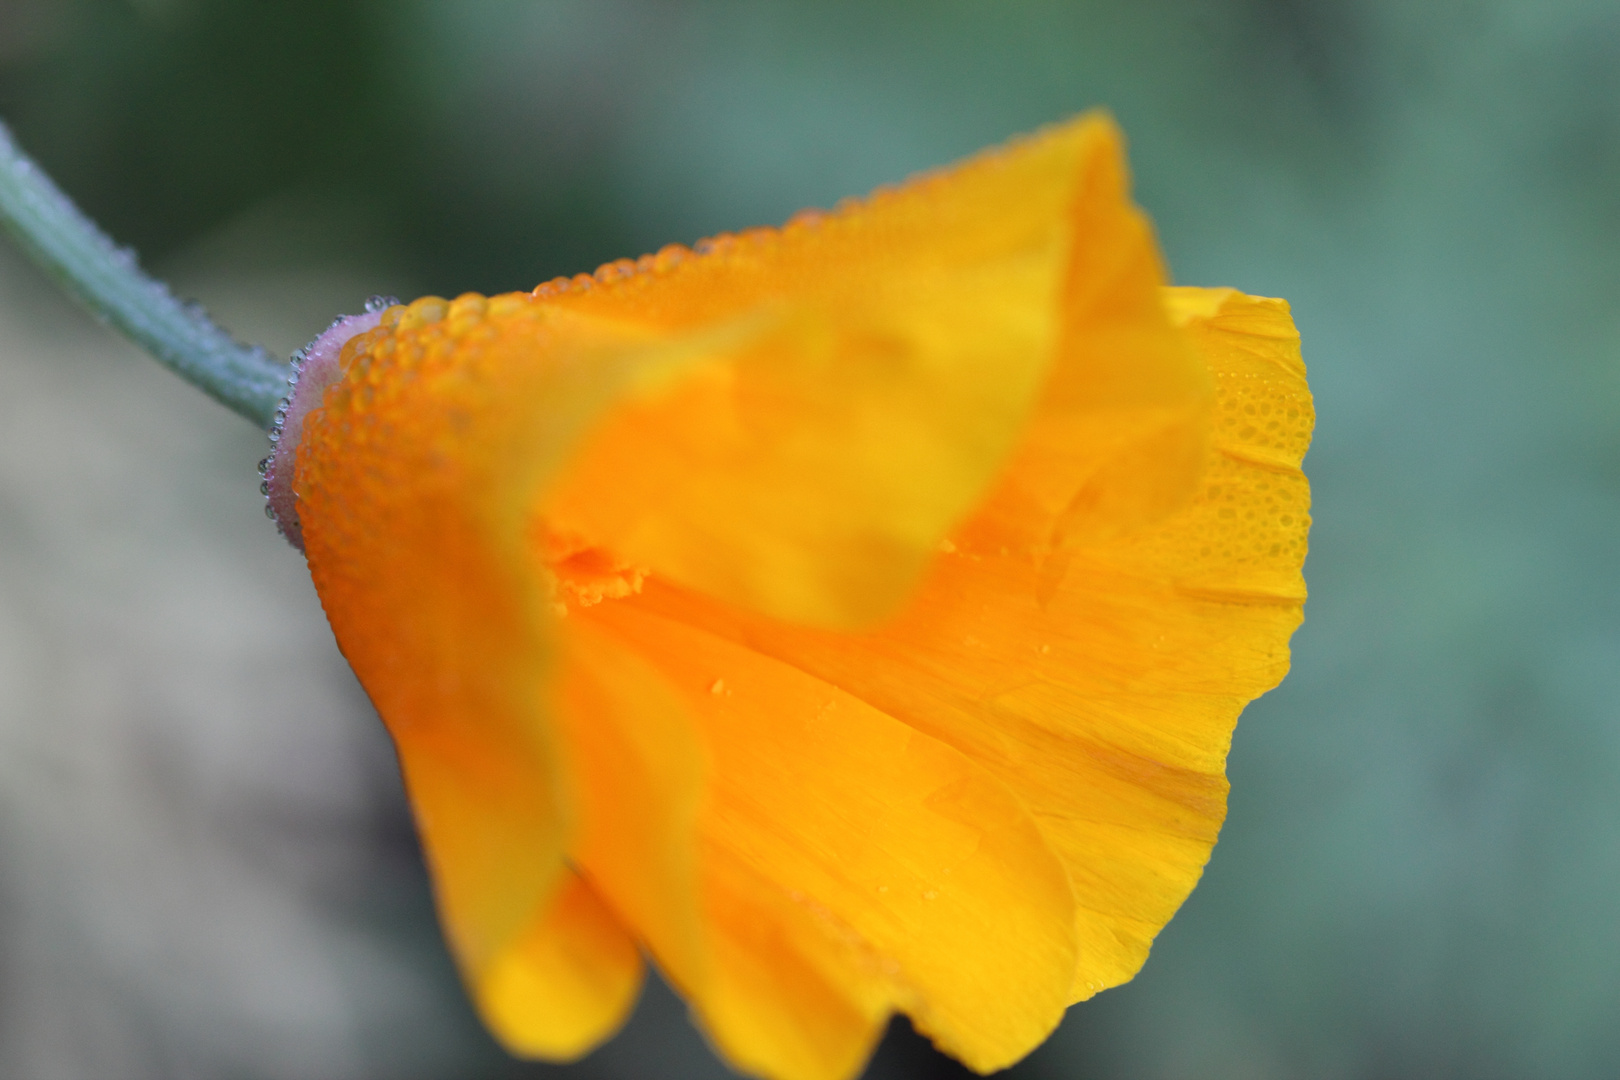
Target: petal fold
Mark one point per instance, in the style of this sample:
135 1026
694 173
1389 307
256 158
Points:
866 373
852 861
1104 700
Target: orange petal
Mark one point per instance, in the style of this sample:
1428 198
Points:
875 865
568 983
434 600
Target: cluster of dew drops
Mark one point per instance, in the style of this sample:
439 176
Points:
299 359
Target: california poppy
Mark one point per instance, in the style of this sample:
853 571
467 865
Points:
852 617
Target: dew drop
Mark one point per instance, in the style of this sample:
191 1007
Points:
264 488
380 302
269 511
264 465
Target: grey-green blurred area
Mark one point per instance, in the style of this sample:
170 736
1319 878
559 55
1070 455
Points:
206 866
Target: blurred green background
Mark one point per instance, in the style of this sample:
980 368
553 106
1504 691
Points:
1420 874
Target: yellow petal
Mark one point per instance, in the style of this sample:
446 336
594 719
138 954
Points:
854 383
1120 430
915 879
568 983
1106 699
1245 537
757 990
794 996
639 769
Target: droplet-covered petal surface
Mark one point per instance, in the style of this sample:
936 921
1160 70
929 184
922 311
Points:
850 617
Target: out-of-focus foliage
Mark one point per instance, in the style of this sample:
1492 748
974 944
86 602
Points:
1418 877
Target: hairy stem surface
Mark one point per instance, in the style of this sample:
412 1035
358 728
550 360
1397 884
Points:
109 281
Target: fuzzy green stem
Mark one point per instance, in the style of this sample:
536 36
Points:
108 280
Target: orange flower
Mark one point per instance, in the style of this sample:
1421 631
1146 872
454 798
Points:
851 616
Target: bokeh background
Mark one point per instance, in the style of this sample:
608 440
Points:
206 867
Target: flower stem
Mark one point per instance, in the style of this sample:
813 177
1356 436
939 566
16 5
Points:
108 280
